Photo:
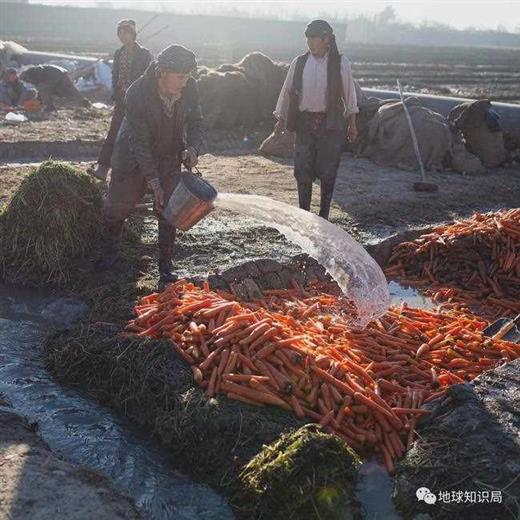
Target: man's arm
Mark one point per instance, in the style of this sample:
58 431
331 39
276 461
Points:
194 126
148 58
139 134
282 106
5 100
115 73
349 98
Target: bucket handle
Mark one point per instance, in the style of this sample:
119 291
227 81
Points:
196 172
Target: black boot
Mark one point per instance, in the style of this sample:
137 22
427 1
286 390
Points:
167 235
305 195
327 190
113 230
166 274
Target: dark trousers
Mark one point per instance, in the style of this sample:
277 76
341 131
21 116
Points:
317 156
125 191
105 155
64 88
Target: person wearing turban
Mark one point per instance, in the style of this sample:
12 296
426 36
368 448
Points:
161 130
130 62
318 102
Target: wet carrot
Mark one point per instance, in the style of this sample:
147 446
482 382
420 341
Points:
212 382
239 397
416 411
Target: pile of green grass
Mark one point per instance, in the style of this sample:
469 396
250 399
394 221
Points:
52 222
307 474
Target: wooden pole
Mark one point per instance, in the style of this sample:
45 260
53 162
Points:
412 132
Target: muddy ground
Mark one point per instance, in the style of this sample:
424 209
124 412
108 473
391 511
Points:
36 485
369 200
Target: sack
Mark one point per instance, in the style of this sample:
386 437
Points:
465 162
279 145
489 146
493 121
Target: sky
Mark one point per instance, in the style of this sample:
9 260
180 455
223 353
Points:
457 13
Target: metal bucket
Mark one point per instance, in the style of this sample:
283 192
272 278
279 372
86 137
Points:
191 200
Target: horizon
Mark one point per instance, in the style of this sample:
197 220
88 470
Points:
460 14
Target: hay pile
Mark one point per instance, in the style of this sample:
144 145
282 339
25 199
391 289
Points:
226 99
49 225
241 94
277 481
267 78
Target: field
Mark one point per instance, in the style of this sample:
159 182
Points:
376 205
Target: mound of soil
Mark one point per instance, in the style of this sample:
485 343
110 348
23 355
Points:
469 445
36 485
276 482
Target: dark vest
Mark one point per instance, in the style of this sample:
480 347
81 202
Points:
335 109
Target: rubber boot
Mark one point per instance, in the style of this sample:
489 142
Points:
327 190
113 230
305 195
167 235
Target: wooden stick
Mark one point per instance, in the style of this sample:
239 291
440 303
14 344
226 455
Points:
412 132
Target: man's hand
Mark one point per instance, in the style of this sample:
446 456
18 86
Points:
352 132
279 127
158 193
190 158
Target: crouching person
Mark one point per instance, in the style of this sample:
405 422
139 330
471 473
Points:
318 102
162 129
53 82
14 92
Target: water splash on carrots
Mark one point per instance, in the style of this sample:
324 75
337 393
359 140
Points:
355 271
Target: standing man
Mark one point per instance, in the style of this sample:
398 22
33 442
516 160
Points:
162 128
130 62
13 92
53 81
318 102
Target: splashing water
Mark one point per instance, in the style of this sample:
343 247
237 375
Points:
355 271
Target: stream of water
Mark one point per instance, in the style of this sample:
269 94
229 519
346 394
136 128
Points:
356 272
77 427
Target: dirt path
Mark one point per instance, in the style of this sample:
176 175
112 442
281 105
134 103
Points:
36 485
369 200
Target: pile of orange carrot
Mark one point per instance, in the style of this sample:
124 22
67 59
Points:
295 350
475 262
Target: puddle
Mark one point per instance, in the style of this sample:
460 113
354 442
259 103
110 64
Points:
78 428
400 294
374 491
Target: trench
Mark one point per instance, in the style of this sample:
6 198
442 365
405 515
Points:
76 427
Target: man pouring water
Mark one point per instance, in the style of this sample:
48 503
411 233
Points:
162 129
318 102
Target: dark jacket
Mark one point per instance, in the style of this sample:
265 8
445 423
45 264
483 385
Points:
43 75
146 131
140 61
335 111
11 93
